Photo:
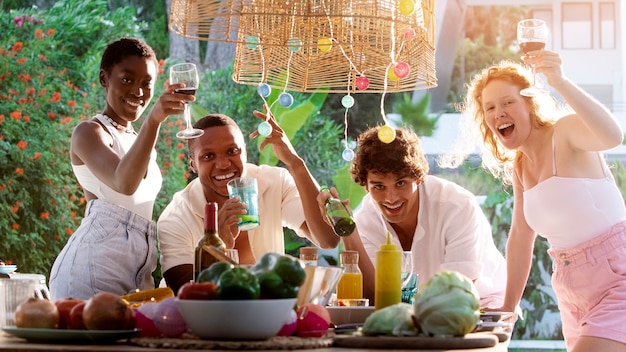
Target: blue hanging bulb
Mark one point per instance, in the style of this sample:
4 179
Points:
347 154
264 129
264 90
285 99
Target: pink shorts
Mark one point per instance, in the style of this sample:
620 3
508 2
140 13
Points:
590 284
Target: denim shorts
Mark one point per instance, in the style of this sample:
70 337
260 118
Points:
590 284
113 250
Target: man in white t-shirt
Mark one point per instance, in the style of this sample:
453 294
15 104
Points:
286 199
440 222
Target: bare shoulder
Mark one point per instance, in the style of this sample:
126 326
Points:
88 130
87 136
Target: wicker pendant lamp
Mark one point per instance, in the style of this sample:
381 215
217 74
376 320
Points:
349 46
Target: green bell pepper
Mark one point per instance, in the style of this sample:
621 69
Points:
280 276
238 283
213 273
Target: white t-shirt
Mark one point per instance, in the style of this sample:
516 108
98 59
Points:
452 234
181 224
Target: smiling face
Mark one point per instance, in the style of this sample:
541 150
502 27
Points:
129 88
396 196
506 113
218 156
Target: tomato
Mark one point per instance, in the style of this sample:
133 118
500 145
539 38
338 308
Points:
198 290
108 311
75 318
37 313
64 306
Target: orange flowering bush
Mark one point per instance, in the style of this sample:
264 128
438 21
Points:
49 63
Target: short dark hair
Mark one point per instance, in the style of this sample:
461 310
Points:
212 120
122 48
403 155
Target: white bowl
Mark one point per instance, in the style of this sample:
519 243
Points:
7 269
235 320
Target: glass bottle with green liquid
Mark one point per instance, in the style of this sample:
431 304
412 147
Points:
339 216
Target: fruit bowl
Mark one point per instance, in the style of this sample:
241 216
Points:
7 269
257 319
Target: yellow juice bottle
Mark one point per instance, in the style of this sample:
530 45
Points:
388 281
350 285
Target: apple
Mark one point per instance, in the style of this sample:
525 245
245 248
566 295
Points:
75 318
64 306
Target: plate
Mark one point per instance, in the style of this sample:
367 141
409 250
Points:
72 336
494 317
7 269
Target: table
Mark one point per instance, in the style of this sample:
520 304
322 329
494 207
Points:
12 344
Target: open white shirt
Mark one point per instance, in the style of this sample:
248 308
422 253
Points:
452 234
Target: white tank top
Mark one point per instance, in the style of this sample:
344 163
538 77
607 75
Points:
142 201
569 211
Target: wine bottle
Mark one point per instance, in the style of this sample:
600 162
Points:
339 216
202 258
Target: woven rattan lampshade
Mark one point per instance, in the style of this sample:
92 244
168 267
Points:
285 43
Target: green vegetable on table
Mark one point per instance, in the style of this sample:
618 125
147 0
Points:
447 305
280 276
394 320
238 283
212 273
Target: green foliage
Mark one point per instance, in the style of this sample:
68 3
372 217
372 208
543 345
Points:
476 56
46 60
417 115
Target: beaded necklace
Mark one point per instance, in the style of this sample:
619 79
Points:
118 126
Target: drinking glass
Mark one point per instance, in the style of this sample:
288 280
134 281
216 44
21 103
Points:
186 73
247 190
532 34
409 279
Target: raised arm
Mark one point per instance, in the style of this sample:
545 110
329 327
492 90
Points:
316 228
90 145
593 127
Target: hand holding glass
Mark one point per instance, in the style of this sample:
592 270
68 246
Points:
246 189
532 35
187 74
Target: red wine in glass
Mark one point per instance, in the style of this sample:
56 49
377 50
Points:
532 34
187 91
186 73
531 46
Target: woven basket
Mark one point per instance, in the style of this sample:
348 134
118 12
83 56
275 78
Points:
278 42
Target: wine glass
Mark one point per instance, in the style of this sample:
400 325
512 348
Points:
186 73
532 34
408 278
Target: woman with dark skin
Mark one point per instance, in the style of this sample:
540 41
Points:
114 248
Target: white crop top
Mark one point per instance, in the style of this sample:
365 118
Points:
142 201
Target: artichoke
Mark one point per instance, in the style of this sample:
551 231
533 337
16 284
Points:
447 305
